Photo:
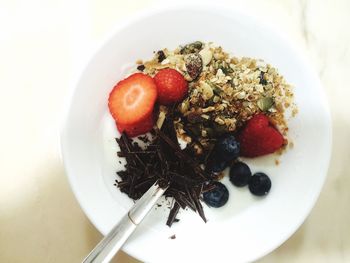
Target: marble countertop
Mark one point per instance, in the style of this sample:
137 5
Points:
43 45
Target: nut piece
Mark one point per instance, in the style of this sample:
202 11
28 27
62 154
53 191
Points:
184 106
219 121
160 120
208 109
206 90
206 55
216 99
241 95
193 65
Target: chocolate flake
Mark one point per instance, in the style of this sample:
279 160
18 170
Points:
173 213
163 161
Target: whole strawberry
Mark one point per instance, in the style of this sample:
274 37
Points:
259 137
171 86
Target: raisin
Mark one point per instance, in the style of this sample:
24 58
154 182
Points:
262 79
193 65
161 56
141 67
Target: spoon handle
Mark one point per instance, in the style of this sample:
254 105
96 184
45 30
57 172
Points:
114 240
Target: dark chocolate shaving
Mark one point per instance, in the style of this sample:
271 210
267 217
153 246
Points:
173 213
163 161
195 196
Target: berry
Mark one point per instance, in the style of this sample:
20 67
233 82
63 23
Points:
227 148
216 165
240 174
259 137
131 103
217 197
136 129
259 184
172 86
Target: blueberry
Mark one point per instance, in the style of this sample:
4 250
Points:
227 148
216 165
240 174
217 197
259 184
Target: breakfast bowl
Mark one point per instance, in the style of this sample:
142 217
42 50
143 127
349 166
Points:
247 227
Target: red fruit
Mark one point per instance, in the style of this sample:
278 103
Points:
136 129
172 86
131 103
259 137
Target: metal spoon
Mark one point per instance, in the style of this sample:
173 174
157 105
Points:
114 240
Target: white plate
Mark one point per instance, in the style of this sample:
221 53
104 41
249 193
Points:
247 227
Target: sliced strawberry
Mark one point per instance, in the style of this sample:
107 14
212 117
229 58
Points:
132 99
131 104
172 86
136 129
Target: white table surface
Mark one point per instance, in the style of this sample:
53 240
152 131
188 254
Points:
43 45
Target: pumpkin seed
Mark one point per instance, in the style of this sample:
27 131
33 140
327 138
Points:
226 70
192 48
265 103
216 89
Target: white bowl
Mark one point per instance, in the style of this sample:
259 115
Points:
247 227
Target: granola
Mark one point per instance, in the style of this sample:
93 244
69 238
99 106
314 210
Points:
224 91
